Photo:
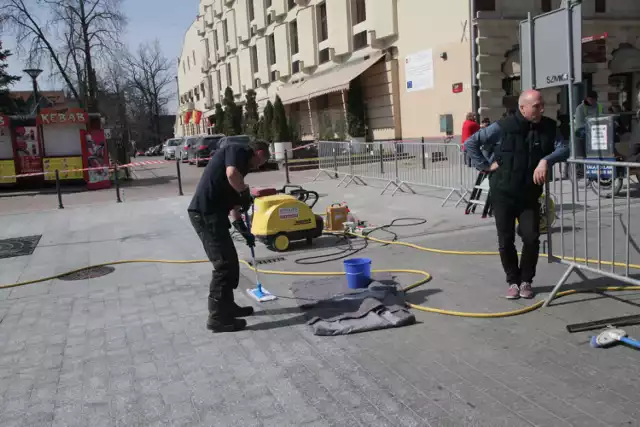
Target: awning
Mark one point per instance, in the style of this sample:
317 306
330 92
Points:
335 80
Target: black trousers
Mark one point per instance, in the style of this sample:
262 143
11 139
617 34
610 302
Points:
505 211
213 231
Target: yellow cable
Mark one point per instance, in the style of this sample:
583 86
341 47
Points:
426 277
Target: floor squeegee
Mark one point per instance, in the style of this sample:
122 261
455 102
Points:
611 336
258 293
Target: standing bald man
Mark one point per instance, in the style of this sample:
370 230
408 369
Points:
522 147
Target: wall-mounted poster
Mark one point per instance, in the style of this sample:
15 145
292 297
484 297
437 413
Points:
68 168
418 69
96 159
28 149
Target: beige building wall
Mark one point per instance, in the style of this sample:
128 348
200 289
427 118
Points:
441 30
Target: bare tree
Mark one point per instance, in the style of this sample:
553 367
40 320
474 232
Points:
75 35
150 83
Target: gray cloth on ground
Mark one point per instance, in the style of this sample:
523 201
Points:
380 306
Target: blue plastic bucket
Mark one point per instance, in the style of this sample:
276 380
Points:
358 271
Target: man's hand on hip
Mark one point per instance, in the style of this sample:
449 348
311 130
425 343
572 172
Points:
493 166
540 174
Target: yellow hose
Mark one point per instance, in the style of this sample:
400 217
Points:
426 277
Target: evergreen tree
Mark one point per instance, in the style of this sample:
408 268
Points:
218 118
251 116
280 126
355 110
231 124
267 134
6 81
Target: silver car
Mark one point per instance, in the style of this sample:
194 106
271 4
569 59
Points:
169 148
182 152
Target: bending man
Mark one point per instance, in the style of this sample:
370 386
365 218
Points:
523 147
222 190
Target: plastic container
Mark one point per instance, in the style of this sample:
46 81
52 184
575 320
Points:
358 271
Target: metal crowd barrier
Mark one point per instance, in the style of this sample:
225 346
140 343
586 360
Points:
401 164
599 225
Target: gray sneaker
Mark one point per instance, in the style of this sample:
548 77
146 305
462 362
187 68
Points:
526 291
513 292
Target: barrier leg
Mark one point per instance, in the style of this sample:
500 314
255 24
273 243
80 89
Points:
180 193
117 183
58 190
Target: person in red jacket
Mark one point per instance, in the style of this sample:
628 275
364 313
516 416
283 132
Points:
469 127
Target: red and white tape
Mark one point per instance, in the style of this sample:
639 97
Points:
128 165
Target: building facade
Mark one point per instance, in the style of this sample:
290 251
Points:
415 61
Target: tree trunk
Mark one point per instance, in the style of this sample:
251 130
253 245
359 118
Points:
91 76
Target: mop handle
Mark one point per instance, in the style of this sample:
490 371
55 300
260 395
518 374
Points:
248 220
630 341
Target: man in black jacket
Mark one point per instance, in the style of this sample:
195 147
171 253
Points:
523 147
222 190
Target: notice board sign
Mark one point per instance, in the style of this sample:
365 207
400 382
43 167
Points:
418 69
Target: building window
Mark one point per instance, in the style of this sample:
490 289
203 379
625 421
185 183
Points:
210 86
254 59
189 62
206 49
323 29
229 76
194 57
225 31
251 10
360 40
219 79
358 11
295 67
215 40
267 3
274 75
601 6
485 5
293 33
184 67
271 48
323 56
292 4
545 5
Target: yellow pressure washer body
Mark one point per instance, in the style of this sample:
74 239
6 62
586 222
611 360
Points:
280 219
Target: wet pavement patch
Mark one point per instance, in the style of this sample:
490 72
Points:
18 246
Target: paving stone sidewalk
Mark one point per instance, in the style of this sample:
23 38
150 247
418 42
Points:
130 348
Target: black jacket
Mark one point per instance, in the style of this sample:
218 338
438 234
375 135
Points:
523 144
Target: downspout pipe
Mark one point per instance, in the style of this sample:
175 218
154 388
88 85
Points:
473 35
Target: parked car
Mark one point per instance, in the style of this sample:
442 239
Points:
184 148
200 152
236 139
169 148
140 152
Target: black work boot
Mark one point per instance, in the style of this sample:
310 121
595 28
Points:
220 320
234 309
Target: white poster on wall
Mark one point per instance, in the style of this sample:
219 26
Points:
418 69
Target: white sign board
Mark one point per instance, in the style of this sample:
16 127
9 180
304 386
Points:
288 213
418 70
599 137
107 133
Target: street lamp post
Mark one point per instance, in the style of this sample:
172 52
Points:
34 73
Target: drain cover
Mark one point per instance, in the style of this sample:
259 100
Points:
18 246
88 273
270 260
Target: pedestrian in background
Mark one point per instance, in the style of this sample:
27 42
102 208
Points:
469 127
518 152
